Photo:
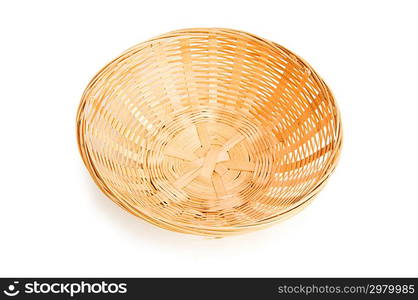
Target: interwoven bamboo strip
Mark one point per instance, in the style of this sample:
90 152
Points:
209 131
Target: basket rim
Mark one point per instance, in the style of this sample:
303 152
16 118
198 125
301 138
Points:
197 228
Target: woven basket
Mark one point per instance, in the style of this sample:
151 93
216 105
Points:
209 131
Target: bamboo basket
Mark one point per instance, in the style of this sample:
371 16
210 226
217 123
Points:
209 131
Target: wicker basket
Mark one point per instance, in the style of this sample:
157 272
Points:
209 131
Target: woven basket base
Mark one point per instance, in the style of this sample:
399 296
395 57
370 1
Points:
231 169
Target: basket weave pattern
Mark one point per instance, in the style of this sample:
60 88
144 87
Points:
209 131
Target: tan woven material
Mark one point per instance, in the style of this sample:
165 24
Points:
209 131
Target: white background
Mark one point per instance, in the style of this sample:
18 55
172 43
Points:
55 222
